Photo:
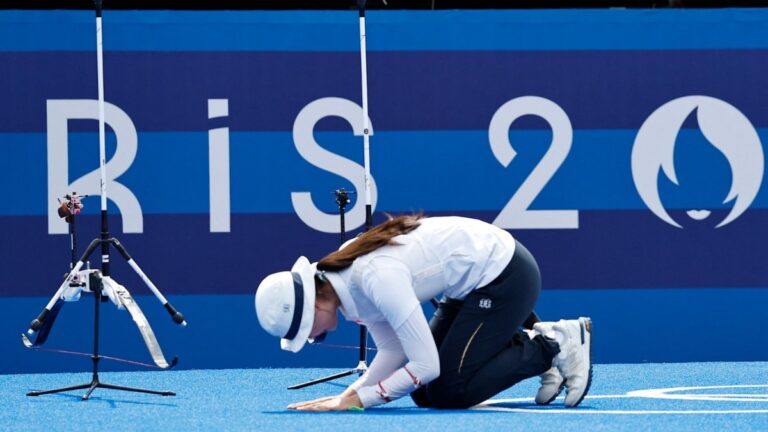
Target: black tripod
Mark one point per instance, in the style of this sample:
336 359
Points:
96 287
342 199
44 321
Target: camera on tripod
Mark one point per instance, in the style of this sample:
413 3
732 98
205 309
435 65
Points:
342 197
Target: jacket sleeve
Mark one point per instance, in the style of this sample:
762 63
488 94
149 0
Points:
389 355
387 380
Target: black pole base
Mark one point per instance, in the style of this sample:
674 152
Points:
93 385
335 376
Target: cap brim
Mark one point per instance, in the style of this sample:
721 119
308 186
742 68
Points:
306 272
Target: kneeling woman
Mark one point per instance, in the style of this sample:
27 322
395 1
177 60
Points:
473 347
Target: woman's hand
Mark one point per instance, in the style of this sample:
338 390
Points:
342 402
298 405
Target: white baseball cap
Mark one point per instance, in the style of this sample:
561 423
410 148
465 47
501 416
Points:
285 304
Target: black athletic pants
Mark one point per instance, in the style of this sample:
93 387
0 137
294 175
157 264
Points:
482 349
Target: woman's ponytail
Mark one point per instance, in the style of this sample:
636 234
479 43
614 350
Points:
369 241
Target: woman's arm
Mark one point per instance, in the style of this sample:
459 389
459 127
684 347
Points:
422 367
389 356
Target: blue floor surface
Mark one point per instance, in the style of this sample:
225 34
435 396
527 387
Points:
631 397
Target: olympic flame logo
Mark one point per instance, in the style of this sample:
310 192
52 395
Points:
724 126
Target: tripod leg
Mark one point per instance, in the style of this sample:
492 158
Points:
324 379
59 390
94 385
178 318
137 390
38 322
44 329
90 390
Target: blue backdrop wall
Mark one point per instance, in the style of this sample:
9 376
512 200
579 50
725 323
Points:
623 147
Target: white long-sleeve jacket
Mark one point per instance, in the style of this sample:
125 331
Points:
384 289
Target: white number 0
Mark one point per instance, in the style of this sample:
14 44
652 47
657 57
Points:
516 213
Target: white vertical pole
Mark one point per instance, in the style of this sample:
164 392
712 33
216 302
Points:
102 138
362 365
102 145
366 126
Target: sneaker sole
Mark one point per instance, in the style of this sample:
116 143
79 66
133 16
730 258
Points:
586 325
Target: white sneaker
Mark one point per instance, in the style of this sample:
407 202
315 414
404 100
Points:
552 383
575 358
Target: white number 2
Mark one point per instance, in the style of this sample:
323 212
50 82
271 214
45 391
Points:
516 214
